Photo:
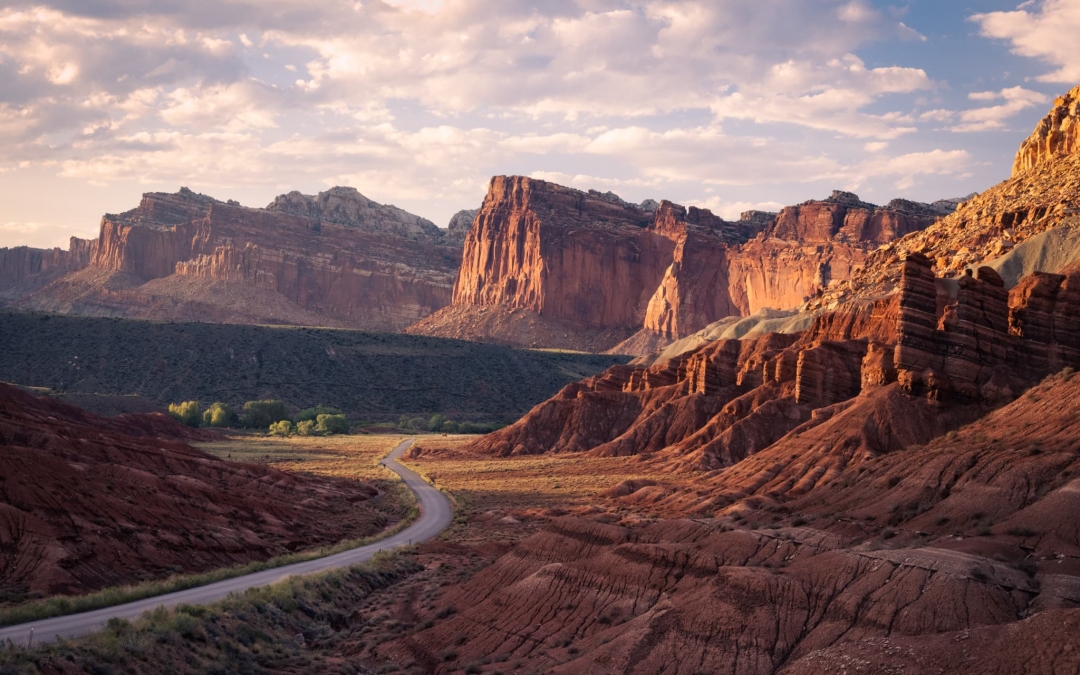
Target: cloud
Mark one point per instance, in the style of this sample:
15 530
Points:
993 117
1044 30
422 100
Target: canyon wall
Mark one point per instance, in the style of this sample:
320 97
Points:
728 399
543 260
186 255
21 262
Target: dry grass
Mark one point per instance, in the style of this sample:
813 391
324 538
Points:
523 485
337 456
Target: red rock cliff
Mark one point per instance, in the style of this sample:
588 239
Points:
350 274
21 262
566 254
576 261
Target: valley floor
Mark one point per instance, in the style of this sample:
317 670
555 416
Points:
562 564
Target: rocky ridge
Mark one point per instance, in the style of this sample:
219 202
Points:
345 262
971 346
585 263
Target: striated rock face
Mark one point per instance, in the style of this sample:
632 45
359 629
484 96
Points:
592 262
346 206
1057 134
568 255
188 256
21 262
714 406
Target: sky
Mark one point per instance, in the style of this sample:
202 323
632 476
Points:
725 104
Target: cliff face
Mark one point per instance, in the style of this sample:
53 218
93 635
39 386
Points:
1058 134
577 262
186 255
712 407
21 262
568 255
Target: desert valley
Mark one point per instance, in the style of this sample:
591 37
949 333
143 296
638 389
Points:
565 434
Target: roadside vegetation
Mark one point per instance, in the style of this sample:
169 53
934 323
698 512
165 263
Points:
287 627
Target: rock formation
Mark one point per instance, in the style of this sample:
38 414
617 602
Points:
459 226
585 263
346 206
1057 134
714 406
1015 218
810 557
337 259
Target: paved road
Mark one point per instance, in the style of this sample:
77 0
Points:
435 515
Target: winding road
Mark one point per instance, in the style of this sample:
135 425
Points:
436 514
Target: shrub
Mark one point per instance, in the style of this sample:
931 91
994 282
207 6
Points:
186 413
332 424
261 414
220 415
306 428
312 414
282 428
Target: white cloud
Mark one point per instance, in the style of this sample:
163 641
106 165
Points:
732 210
1043 30
993 117
422 100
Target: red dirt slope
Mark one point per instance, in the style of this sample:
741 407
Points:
118 500
957 556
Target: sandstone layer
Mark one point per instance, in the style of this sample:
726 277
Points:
336 259
585 262
973 349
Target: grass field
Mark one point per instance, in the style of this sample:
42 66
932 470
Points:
337 456
521 486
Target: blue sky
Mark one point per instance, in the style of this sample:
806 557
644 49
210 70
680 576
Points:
727 104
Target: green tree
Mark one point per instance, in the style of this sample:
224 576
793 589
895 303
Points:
313 413
306 428
282 428
436 422
261 414
219 415
332 424
186 413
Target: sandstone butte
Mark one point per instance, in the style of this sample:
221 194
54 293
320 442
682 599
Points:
895 489
335 259
138 502
550 266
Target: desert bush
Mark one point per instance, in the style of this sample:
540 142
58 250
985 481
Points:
312 414
282 428
332 424
220 415
306 428
186 413
261 414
